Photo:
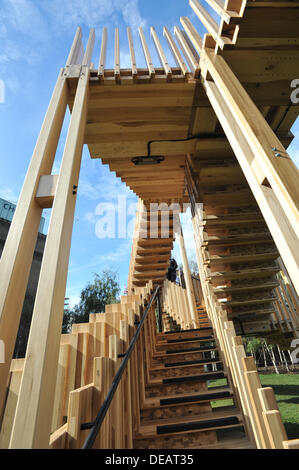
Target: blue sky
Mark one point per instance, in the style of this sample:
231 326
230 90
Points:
36 36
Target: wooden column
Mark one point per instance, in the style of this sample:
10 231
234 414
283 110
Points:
19 247
33 417
187 276
269 170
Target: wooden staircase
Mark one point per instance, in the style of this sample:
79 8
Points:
188 404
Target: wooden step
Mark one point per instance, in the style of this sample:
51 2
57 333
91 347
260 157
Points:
206 421
242 274
245 288
192 339
182 344
221 393
239 258
183 385
193 378
189 363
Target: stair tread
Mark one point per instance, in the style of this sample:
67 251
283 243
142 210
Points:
175 352
186 340
183 364
151 403
151 427
187 378
229 444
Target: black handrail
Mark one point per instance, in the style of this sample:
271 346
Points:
96 425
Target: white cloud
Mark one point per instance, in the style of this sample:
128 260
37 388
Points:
8 194
25 17
93 13
119 255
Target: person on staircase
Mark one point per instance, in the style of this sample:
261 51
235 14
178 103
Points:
171 273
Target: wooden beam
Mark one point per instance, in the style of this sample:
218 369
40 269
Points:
175 52
101 69
46 190
76 53
117 57
191 59
89 49
37 392
146 52
192 33
19 247
161 54
132 54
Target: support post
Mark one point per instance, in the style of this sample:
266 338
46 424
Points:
19 247
32 423
187 275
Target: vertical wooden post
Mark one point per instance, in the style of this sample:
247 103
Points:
187 275
18 250
35 403
275 429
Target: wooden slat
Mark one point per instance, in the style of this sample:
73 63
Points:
175 52
209 23
146 52
75 55
101 70
192 33
161 54
132 53
89 49
219 7
192 62
116 57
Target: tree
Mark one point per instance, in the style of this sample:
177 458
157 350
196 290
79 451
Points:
102 291
193 267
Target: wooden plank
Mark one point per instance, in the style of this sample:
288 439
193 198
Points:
80 411
101 69
132 54
58 408
76 55
209 23
254 384
175 52
46 190
89 49
192 33
228 16
161 54
146 52
191 59
35 404
116 57
10 407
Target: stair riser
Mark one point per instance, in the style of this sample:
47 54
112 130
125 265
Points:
183 345
192 356
179 441
169 372
178 411
202 332
175 389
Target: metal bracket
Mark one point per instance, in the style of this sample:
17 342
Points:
280 153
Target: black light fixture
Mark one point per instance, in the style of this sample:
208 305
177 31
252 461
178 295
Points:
148 160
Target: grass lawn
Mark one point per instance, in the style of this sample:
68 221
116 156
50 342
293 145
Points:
286 389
